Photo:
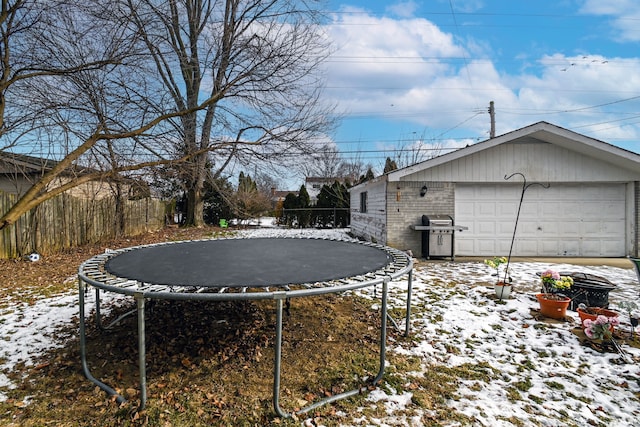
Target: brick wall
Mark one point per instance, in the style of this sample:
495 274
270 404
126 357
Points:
405 207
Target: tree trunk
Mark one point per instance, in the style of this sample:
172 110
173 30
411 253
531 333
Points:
195 188
119 220
195 207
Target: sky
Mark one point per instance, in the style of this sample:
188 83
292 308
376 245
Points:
422 73
539 372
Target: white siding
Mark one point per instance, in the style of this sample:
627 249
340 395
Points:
538 161
563 220
370 225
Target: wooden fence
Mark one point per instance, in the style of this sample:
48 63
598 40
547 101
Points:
67 221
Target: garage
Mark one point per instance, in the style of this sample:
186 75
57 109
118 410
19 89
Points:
590 208
582 220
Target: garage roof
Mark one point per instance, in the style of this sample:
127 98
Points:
541 131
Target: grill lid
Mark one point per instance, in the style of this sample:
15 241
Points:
437 220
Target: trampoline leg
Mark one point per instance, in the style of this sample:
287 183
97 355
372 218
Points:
98 314
407 327
383 330
276 361
83 347
336 397
142 351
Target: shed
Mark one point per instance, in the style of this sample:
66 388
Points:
591 207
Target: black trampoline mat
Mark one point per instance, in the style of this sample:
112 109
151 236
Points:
254 262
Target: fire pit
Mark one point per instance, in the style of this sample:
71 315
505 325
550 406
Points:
588 289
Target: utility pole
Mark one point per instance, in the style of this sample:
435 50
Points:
492 115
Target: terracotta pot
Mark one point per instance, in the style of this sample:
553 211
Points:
553 306
595 312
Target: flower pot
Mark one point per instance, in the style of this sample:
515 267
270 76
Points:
553 306
592 313
503 290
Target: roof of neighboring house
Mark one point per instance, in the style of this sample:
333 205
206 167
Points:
14 166
325 180
12 163
542 131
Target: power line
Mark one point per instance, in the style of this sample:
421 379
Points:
477 14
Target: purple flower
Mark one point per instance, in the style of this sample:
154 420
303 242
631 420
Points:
551 274
602 320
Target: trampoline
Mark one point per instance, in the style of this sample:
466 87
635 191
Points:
277 269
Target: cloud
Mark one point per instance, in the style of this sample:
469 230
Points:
409 71
405 9
385 58
625 15
403 68
467 6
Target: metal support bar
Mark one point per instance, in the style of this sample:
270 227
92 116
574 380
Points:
407 327
142 351
112 323
383 330
276 361
336 397
407 319
98 313
83 349
393 322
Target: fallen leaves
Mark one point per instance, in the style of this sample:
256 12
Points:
210 363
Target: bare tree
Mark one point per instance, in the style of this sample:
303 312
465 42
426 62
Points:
187 84
44 46
325 161
354 168
415 150
256 60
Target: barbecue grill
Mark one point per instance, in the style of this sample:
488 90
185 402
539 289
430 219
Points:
437 235
437 241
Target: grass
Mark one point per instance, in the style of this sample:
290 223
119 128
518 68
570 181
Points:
212 364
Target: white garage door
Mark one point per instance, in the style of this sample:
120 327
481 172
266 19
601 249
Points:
563 220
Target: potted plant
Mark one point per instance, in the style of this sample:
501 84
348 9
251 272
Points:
553 303
502 287
601 328
592 313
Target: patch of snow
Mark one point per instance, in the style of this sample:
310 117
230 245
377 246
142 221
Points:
540 373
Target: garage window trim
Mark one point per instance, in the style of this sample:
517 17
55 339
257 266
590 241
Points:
363 202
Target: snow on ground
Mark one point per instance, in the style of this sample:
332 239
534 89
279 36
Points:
559 381
541 375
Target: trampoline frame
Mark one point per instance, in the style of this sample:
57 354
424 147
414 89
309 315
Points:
92 273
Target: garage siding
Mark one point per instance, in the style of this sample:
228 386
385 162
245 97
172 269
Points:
370 225
636 222
405 207
538 161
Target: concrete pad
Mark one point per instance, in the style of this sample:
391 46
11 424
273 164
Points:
611 262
